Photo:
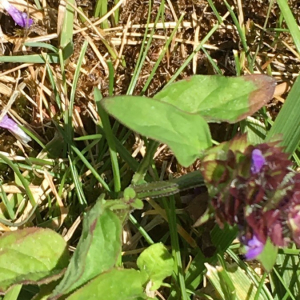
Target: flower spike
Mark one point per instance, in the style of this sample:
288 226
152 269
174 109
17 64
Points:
256 189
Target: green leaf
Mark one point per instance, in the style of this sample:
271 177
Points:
97 251
221 281
255 129
13 293
157 262
66 35
287 123
186 134
285 274
52 58
31 256
232 283
219 98
114 285
131 198
291 22
221 239
268 256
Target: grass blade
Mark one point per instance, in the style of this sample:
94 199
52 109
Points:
287 123
291 22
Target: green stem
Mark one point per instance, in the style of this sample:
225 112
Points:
165 188
141 230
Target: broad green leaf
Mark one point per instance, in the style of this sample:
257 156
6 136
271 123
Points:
268 256
186 134
219 98
157 262
114 285
31 256
97 251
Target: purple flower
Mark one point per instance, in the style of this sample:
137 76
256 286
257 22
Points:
21 18
253 247
13 127
258 161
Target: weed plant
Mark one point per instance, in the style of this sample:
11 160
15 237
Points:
145 151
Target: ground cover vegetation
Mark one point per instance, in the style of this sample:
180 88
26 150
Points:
149 149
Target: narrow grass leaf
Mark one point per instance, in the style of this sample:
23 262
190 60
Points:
241 32
66 35
20 177
52 58
288 291
8 205
221 239
101 10
195 52
178 266
258 282
256 130
42 45
76 75
287 266
290 21
242 285
287 123
110 140
161 55
213 275
144 50
77 183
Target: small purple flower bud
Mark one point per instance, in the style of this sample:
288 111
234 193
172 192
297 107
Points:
21 18
258 161
13 127
253 248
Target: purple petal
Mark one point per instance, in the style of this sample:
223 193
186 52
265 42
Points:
12 126
253 248
21 18
258 161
